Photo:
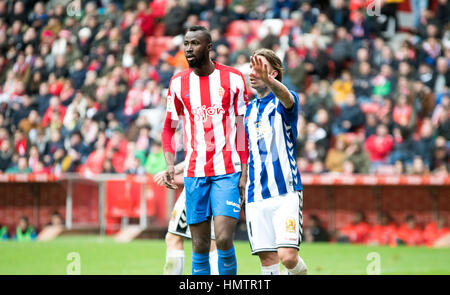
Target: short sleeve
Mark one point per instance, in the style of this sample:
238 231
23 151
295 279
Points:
290 116
241 97
174 106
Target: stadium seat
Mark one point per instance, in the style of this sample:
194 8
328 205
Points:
287 25
234 28
233 41
254 25
156 46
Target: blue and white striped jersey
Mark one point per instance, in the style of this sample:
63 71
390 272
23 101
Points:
272 135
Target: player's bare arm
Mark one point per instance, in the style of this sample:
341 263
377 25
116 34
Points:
169 175
243 182
261 71
242 137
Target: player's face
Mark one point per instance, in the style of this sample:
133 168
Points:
196 49
255 81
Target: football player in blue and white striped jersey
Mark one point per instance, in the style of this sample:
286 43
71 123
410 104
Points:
274 197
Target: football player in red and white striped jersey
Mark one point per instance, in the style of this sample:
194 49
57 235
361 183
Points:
211 100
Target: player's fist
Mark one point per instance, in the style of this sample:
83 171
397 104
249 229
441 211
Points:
159 178
169 178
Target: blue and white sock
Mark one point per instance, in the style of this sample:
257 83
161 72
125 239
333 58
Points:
200 264
227 261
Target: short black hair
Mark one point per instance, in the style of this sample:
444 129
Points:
204 30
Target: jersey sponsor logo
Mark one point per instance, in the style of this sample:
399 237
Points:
202 113
229 203
262 128
290 225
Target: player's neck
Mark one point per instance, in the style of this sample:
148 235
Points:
262 91
205 69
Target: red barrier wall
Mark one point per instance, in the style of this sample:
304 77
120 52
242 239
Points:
335 205
334 199
34 200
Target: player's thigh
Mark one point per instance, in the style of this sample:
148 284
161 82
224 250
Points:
224 227
260 226
288 220
174 242
225 197
198 201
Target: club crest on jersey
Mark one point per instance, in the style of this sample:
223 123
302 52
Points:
174 214
170 104
202 113
221 92
262 129
290 225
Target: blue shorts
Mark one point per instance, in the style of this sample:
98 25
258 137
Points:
212 195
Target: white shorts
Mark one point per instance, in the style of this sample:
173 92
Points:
275 222
177 223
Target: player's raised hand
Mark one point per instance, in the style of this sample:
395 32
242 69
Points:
169 178
259 69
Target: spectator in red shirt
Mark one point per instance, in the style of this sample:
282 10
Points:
355 232
55 86
20 142
134 102
435 230
383 233
410 233
55 105
145 18
403 112
379 146
95 161
116 150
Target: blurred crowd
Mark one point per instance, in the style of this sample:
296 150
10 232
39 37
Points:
385 232
82 91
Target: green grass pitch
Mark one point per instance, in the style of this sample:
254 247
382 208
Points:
146 257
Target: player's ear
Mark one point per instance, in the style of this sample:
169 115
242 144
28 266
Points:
274 73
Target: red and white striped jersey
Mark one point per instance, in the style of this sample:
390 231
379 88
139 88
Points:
208 106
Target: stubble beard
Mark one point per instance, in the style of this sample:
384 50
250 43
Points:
261 90
198 62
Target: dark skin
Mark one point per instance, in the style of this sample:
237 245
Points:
196 49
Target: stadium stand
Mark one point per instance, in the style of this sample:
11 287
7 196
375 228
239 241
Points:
101 70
